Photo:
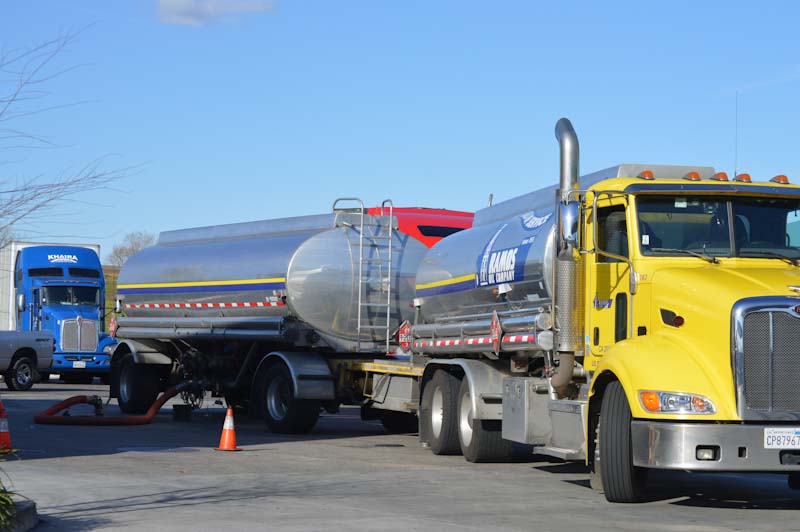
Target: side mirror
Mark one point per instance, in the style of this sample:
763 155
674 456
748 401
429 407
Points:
21 302
569 215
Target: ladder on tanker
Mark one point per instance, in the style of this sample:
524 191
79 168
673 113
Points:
375 248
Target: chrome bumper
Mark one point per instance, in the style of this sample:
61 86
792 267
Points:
670 445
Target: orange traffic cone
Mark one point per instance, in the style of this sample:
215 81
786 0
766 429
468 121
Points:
5 435
227 442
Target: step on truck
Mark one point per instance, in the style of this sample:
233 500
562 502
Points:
640 317
60 289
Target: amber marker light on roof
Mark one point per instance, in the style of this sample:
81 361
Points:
719 176
692 176
646 174
743 178
782 179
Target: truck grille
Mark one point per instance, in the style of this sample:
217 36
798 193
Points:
771 361
79 338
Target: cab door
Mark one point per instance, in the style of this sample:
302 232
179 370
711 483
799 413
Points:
608 297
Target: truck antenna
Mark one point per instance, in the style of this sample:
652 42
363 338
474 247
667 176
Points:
736 136
491 197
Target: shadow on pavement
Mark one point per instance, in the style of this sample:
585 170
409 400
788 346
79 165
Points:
705 490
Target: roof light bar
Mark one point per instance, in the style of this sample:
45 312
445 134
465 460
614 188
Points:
719 176
782 179
743 178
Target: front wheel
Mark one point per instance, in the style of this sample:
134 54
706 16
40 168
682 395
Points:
283 412
481 439
21 374
139 385
621 480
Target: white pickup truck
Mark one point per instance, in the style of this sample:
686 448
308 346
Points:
22 355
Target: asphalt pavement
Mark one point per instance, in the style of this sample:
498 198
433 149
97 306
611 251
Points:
347 475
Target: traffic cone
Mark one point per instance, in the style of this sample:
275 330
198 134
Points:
227 442
5 435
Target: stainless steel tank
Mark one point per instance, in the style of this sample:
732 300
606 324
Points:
306 268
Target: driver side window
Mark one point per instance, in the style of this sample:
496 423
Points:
612 232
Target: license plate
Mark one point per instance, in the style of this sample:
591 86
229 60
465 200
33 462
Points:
782 438
78 364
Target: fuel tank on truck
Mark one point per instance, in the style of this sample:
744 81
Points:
336 273
504 262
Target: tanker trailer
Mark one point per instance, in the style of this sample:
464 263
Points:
267 313
640 317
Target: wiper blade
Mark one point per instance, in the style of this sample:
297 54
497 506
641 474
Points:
709 258
770 254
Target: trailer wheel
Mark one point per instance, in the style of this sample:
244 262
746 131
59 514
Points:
399 422
481 440
283 412
139 385
438 412
622 481
21 375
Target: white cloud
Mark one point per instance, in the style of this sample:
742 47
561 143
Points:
203 12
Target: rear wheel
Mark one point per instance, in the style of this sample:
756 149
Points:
139 385
622 481
399 422
21 375
438 413
481 440
283 412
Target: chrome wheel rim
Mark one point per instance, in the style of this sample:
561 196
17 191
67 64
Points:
465 419
437 411
278 398
24 374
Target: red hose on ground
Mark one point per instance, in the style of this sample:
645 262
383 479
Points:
49 417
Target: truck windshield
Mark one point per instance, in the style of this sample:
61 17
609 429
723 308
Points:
718 226
71 295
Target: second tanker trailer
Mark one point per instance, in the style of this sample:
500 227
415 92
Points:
641 317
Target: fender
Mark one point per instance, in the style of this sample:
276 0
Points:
142 354
665 361
485 385
311 375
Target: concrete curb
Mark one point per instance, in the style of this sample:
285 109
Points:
26 517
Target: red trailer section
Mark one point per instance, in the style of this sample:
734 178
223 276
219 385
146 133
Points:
428 225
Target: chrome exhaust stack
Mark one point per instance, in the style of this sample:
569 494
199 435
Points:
568 268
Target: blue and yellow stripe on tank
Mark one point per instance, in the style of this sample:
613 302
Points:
446 286
237 285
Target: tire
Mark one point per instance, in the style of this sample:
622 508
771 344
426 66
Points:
399 422
438 413
480 440
622 481
21 375
283 412
139 385
78 378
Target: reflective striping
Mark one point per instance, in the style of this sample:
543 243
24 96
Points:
519 339
244 304
204 283
481 340
445 282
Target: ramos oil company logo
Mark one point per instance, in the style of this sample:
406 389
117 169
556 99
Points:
62 258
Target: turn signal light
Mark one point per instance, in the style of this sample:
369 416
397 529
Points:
650 401
692 176
719 176
646 174
782 179
743 178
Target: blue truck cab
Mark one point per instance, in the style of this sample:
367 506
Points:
62 289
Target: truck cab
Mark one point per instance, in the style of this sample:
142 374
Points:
61 289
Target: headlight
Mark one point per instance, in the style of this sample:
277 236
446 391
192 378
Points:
109 349
675 403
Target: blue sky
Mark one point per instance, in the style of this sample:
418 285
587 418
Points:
242 110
